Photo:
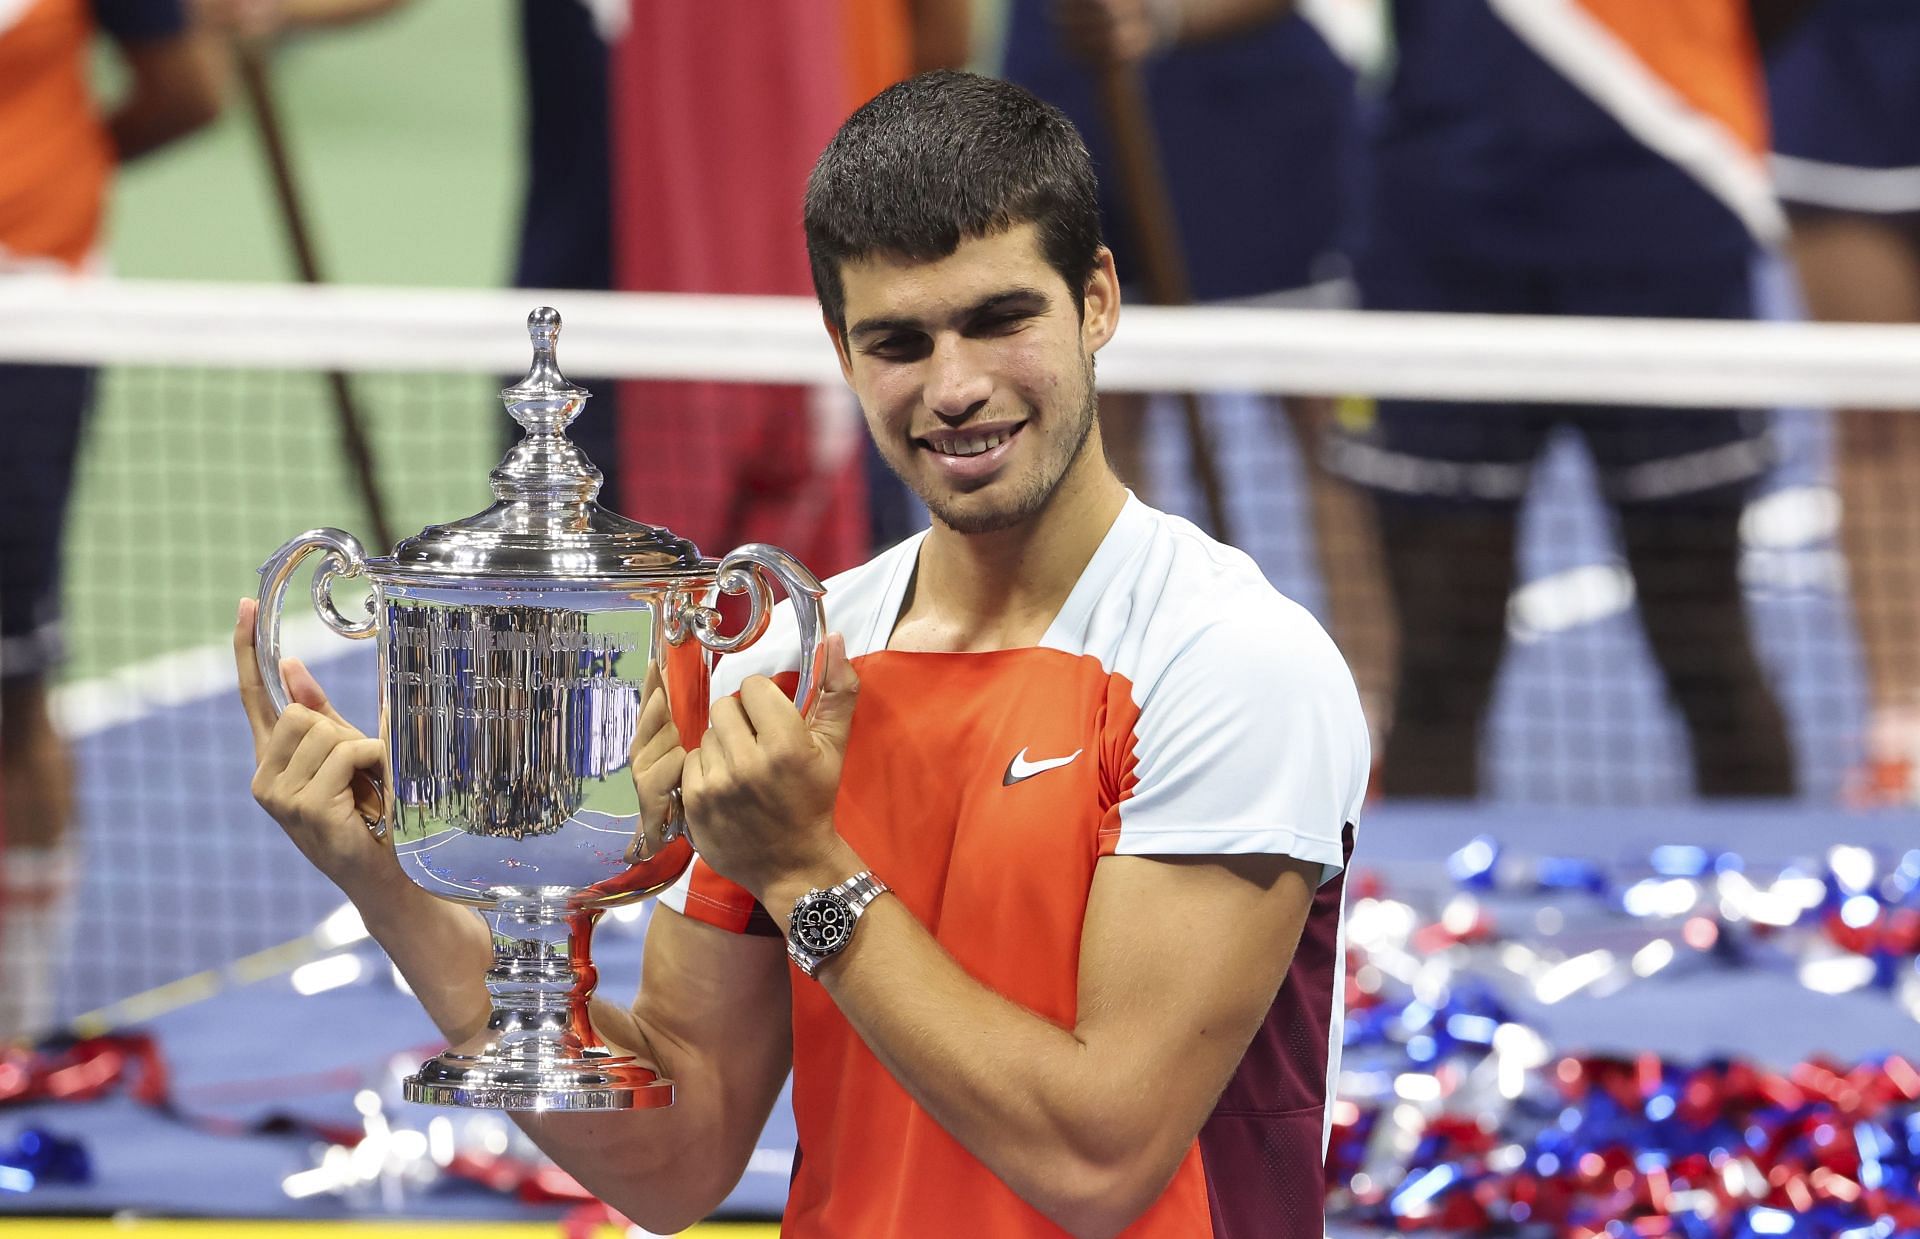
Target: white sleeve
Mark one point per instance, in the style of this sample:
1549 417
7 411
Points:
1250 739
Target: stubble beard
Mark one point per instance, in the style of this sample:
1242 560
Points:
1032 496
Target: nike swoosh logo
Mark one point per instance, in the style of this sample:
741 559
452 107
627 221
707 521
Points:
1019 770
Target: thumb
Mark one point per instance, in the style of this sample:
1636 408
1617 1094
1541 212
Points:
839 690
304 689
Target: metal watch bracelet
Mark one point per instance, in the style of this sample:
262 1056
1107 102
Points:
822 921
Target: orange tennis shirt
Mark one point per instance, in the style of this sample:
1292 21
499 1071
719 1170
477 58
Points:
55 156
1178 705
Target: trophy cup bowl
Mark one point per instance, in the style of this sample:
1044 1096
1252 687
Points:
515 650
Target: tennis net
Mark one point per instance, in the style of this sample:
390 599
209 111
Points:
215 436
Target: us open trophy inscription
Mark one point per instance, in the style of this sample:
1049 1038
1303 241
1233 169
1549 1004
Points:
514 648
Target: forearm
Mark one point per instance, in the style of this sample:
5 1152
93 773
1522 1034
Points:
1031 1100
664 1168
175 88
443 949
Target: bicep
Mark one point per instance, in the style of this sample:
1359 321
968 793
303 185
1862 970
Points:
1180 961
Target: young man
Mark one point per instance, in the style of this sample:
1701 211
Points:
1090 782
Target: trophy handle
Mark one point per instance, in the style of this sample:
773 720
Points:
344 558
746 571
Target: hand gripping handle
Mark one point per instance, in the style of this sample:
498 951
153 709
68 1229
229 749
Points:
344 558
746 571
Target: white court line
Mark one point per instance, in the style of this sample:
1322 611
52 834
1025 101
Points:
143 689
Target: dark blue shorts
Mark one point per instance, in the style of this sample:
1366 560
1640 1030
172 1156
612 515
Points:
42 410
1442 452
1845 97
1259 138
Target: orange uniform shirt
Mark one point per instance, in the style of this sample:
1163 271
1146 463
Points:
55 157
1178 705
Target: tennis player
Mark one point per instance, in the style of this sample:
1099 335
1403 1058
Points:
1042 907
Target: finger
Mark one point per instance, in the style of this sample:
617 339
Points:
303 688
287 736
693 784
337 775
656 734
253 689
839 694
770 712
655 784
729 730
315 747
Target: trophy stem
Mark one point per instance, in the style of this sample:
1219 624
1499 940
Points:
540 1050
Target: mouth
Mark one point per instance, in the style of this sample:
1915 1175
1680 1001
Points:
970 456
971 441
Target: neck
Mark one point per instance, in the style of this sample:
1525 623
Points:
1001 590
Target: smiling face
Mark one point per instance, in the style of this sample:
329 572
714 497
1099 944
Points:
976 374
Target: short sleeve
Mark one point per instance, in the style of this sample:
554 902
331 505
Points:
709 898
1250 739
701 893
140 21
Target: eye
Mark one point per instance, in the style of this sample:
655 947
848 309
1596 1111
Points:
902 347
1001 324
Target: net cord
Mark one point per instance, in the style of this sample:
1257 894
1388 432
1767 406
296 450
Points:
1502 359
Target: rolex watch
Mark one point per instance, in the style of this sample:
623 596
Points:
822 922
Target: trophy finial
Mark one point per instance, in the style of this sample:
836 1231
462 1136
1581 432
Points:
544 400
545 466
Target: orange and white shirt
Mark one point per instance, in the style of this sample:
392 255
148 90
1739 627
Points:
1178 705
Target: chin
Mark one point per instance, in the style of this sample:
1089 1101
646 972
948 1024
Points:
980 511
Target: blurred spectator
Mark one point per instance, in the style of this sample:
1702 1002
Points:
1587 158
58 150
1590 157
667 145
1846 110
1259 137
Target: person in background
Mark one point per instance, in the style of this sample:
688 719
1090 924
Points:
1584 157
1259 138
666 146
59 147
1846 140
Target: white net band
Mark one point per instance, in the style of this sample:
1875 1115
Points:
1609 361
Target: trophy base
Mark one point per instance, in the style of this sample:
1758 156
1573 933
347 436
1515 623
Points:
475 1081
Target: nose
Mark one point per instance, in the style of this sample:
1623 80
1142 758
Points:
958 383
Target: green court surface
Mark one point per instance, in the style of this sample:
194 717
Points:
405 133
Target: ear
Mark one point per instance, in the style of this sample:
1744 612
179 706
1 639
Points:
839 339
1100 316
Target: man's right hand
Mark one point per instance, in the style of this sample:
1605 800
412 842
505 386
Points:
317 773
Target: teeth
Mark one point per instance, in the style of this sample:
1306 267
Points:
977 444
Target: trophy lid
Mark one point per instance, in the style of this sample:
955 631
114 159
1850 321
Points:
546 522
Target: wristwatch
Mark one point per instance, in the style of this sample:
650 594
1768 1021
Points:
822 922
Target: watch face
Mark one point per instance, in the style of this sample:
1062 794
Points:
822 923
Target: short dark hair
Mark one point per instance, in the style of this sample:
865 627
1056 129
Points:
945 157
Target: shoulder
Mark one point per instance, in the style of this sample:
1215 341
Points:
1182 600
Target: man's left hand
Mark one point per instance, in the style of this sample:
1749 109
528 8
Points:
759 790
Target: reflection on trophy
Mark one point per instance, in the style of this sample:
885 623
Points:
515 648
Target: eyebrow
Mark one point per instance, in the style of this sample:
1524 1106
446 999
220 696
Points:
1012 298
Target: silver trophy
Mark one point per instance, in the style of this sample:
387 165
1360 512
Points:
515 647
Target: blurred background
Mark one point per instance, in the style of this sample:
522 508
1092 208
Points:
1632 606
